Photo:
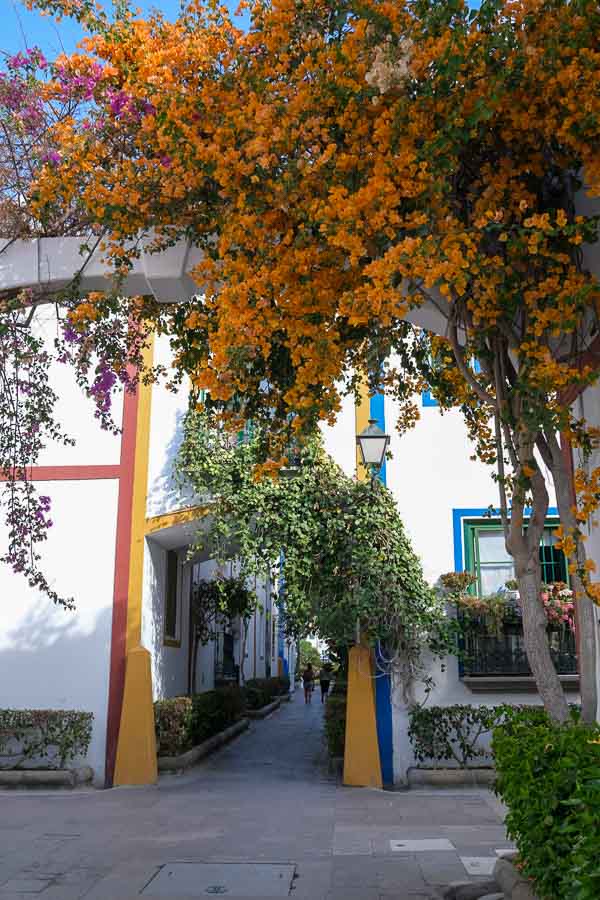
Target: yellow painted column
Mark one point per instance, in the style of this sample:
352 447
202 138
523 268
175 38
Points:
362 414
362 766
136 749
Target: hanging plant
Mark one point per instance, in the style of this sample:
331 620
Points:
559 605
220 601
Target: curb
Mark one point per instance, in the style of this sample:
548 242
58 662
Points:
185 760
264 711
13 778
451 777
512 883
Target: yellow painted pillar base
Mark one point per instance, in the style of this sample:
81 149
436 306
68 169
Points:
136 749
362 766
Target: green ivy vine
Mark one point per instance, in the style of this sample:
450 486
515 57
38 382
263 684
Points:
344 562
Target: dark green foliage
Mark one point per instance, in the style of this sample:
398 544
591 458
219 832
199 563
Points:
220 599
184 722
172 723
214 711
259 692
347 556
340 687
549 777
55 736
444 733
335 724
309 654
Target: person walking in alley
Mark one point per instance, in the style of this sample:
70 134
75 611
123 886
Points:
308 679
325 680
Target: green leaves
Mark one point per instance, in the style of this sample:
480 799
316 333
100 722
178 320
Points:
549 776
339 545
55 736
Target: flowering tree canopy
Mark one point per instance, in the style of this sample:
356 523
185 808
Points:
341 164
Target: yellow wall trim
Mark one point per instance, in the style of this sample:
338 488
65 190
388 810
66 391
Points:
362 766
179 517
362 414
136 748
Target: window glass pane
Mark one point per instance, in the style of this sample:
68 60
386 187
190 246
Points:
171 595
492 547
493 578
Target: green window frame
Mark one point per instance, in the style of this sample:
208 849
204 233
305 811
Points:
552 561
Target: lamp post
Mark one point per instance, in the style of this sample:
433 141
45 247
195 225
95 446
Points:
373 443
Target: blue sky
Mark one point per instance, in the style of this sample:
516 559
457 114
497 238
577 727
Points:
21 28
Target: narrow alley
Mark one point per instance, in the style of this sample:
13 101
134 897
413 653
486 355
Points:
261 818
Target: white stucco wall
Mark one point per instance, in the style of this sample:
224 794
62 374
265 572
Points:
167 413
75 412
169 663
52 658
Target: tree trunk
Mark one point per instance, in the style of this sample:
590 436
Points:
585 612
536 640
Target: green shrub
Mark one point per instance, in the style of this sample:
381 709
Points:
172 722
260 692
335 725
340 688
284 684
549 777
214 711
184 722
55 736
451 733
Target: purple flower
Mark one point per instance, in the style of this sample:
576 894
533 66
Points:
51 156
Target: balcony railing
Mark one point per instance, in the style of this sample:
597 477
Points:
486 654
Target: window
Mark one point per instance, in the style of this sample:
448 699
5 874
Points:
486 556
504 653
171 635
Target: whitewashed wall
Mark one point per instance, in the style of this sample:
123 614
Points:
166 434
169 663
52 658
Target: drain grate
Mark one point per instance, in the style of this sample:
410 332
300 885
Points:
225 879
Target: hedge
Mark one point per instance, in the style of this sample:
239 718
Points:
172 723
214 711
184 722
260 692
335 724
451 733
56 736
549 778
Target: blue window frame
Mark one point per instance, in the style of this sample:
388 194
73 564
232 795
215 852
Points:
427 399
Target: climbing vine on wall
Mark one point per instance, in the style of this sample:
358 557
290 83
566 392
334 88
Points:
347 562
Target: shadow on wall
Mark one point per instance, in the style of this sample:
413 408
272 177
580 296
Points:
165 493
50 660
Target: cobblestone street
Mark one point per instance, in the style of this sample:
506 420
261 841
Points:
265 799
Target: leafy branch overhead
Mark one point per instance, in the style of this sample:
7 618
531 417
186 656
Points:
344 553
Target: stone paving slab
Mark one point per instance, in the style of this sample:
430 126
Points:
266 798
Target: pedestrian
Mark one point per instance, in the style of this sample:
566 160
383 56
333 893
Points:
325 680
308 678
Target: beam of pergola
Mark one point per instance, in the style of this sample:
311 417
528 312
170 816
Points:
48 265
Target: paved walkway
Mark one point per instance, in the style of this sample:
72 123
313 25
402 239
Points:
266 798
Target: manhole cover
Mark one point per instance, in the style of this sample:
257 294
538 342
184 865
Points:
230 879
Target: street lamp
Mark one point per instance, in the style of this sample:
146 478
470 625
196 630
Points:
373 443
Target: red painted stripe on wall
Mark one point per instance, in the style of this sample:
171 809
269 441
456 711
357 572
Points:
69 473
121 584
